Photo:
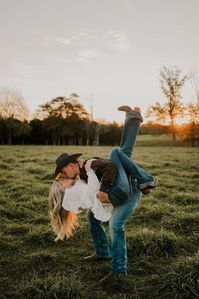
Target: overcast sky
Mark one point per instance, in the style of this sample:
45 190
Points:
108 50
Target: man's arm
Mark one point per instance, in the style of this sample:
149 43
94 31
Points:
102 196
108 171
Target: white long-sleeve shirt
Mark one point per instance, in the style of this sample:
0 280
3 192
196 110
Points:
83 196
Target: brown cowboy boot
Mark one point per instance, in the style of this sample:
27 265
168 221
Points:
94 258
111 278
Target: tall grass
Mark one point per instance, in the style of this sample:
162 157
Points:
162 235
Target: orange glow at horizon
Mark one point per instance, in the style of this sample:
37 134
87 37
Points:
178 121
182 120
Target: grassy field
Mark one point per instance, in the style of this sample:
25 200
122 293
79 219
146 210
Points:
162 235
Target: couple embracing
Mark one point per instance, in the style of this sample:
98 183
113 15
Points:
109 188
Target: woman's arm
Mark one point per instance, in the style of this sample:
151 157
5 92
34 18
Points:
94 187
93 183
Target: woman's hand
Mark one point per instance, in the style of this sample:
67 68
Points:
103 197
80 162
88 164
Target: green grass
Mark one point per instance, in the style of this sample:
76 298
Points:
162 235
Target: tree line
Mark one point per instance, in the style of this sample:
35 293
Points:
61 121
65 121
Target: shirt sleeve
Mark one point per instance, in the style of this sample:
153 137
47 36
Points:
108 172
93 183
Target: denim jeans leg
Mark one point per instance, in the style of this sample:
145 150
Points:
129 134
133 169
120 190
99 237
119 217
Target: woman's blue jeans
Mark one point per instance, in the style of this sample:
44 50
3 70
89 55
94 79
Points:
120 212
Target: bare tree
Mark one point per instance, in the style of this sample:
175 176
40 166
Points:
171 85
12 105
195 84
193 109
13 114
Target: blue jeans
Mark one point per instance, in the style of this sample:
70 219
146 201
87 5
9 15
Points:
120 191
121 212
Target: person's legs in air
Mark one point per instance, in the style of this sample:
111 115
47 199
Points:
130 131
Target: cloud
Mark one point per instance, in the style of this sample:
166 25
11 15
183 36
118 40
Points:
83 35
71 38
63 40
80 44
117 40
87 56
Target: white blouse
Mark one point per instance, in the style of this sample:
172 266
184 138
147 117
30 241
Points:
83 196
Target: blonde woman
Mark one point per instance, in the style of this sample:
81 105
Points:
63 222
67 198
85 195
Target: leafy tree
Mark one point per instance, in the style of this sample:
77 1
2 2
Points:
171 85
63 107
2 131
57 107
153 128
53 126
78 126
37 134
15 128
110 134
192 132
21 130
65 119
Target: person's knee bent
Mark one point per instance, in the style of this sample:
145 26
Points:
113 154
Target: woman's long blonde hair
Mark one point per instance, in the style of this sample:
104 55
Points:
63 222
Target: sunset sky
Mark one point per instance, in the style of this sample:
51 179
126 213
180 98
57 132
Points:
110 51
